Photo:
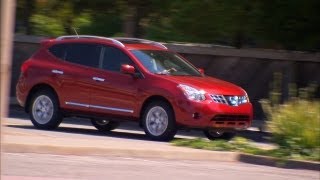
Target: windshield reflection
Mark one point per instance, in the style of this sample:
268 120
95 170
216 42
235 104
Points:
165 63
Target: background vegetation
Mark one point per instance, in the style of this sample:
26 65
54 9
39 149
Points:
278 24
295 124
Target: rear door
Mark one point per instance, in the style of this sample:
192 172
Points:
75 74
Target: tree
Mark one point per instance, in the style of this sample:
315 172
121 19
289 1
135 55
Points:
289 24
25 9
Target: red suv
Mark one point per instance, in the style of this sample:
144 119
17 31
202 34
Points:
110 80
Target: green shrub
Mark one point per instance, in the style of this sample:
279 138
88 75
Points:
295 126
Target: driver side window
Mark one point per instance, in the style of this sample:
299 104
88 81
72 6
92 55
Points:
113 58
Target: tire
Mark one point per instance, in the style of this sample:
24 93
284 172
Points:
104 125
44 110
159 122
216 135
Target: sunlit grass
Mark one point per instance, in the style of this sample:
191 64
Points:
244 145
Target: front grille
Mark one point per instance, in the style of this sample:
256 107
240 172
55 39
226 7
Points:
222 117
219 99
229 100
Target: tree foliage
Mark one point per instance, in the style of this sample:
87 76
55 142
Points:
285 24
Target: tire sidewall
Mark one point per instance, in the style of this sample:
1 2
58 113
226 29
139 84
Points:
171 129
56 117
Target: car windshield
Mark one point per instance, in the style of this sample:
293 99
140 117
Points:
165 62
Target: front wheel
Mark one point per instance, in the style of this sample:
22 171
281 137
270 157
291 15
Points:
159 121
214 134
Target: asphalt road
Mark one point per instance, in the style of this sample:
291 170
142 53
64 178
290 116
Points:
45 166
25 166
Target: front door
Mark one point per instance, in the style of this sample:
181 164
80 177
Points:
113 92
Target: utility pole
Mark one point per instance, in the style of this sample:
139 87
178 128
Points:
7 15
7 27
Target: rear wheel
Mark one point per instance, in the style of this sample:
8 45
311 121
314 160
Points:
44 110
159 121
104 125
214 134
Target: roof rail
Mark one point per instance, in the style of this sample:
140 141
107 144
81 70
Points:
137 40
88 36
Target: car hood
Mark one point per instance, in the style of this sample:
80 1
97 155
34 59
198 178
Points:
208 84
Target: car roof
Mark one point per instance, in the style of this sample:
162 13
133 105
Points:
124 42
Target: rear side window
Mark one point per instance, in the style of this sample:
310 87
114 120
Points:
113 59
84 54
58 50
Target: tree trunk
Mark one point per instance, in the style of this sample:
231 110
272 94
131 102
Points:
130 21
27 15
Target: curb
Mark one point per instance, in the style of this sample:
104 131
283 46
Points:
276 162
199 155
202 155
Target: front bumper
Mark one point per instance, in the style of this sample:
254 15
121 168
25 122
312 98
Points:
209 114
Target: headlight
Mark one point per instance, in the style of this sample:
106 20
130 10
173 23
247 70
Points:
192 93
237 100
243 99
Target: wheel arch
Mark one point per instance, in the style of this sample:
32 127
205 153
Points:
153 99
37 88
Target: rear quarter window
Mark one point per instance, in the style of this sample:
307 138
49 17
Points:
78 53
58 50
84 54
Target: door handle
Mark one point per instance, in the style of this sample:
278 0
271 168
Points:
54 71
98 79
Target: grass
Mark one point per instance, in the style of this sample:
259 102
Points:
243 145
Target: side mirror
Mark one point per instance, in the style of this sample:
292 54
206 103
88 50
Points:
201 71
127 69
